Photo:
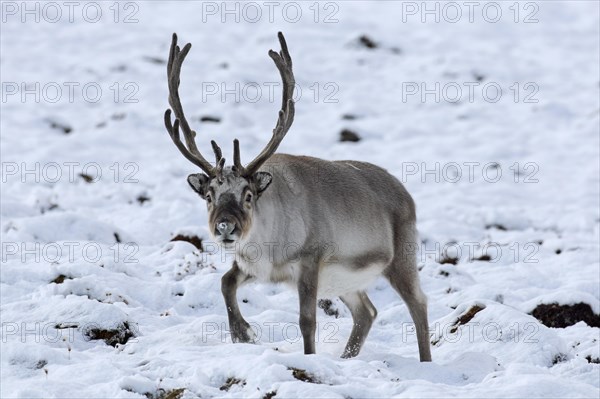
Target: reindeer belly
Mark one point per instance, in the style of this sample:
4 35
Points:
265 271
336 280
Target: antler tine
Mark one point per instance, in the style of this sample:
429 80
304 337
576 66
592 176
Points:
237 163
217 151
176 58
174 133
285 118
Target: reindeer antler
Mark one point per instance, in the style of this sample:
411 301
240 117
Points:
176 58
285 118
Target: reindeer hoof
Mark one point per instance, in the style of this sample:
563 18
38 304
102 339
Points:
243 333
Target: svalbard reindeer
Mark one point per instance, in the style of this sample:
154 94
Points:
356 208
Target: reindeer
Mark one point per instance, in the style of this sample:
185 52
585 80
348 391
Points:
358 209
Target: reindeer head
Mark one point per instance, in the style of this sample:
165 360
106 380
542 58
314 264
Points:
231 192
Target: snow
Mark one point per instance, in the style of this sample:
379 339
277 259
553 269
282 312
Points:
538 221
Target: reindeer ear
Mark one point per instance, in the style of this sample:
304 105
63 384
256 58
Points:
199 183
262 179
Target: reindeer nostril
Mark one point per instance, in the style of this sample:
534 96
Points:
225 228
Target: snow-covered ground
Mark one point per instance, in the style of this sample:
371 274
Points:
512 176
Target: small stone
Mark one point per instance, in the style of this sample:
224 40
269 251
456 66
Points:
212 119
349 135
367 42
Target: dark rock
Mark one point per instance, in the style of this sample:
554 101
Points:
165 394
367 42
349 135
119 335
64 326
466 317
142 198
478 77
496 226
212 119
302 375
61 279
50 207
87 178
561 316
231 381
66 129
449 260
194 240
41 364
559 358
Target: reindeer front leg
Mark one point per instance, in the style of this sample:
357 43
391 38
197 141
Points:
230 282
307 292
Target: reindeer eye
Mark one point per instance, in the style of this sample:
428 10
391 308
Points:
248 197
